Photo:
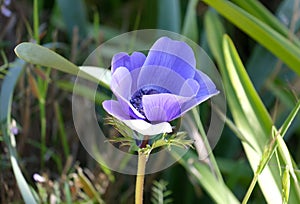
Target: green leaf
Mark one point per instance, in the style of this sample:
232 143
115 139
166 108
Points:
6 96
256 9
36 54
260 31
190 28
285 185
203 176
253 120
88 187
169 15
215 32
290 119
74 16
243 112
160 193
250 116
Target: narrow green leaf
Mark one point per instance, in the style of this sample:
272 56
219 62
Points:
61 129
290 119
67 192
6 95
257 124
190 28
88 187
215 31
74 16
256 9
286 185
261 32
36 54
206 178
169 15
249 113
243 111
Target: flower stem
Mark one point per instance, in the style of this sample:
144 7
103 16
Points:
139 186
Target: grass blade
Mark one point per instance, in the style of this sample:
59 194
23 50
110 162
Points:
206 178
6 96
256 9
169 15
190 28
256 125
74 16
290 119
280 46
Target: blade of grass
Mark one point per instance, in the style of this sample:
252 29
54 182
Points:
249 113
280 46
287 123
256 9
61 128
206 178
190 28
261 122
6 96
36 21
169 15
74 16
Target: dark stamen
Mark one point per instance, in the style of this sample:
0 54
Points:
136 99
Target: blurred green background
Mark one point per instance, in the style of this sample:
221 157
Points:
47 143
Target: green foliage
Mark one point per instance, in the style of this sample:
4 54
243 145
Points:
190 28
74 18
250 115
169 15
6 98
160 193
278 44
128 137
261 92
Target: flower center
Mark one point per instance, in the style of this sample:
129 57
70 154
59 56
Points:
136 99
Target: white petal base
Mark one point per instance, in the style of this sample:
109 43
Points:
145 128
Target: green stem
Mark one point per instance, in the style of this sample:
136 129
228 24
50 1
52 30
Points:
250 189
140 176
43 130
36 21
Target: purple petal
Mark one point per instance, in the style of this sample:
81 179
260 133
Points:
114 108
121 82
7 2
172 54
121 86
5 11
206 91
189 88
122 59
162 77
207 86
163 107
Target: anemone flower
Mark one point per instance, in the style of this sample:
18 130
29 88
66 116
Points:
154 90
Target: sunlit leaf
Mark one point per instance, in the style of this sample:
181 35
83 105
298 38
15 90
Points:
280 46
203 175
36 54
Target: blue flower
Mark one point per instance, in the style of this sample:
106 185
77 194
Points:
154 90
